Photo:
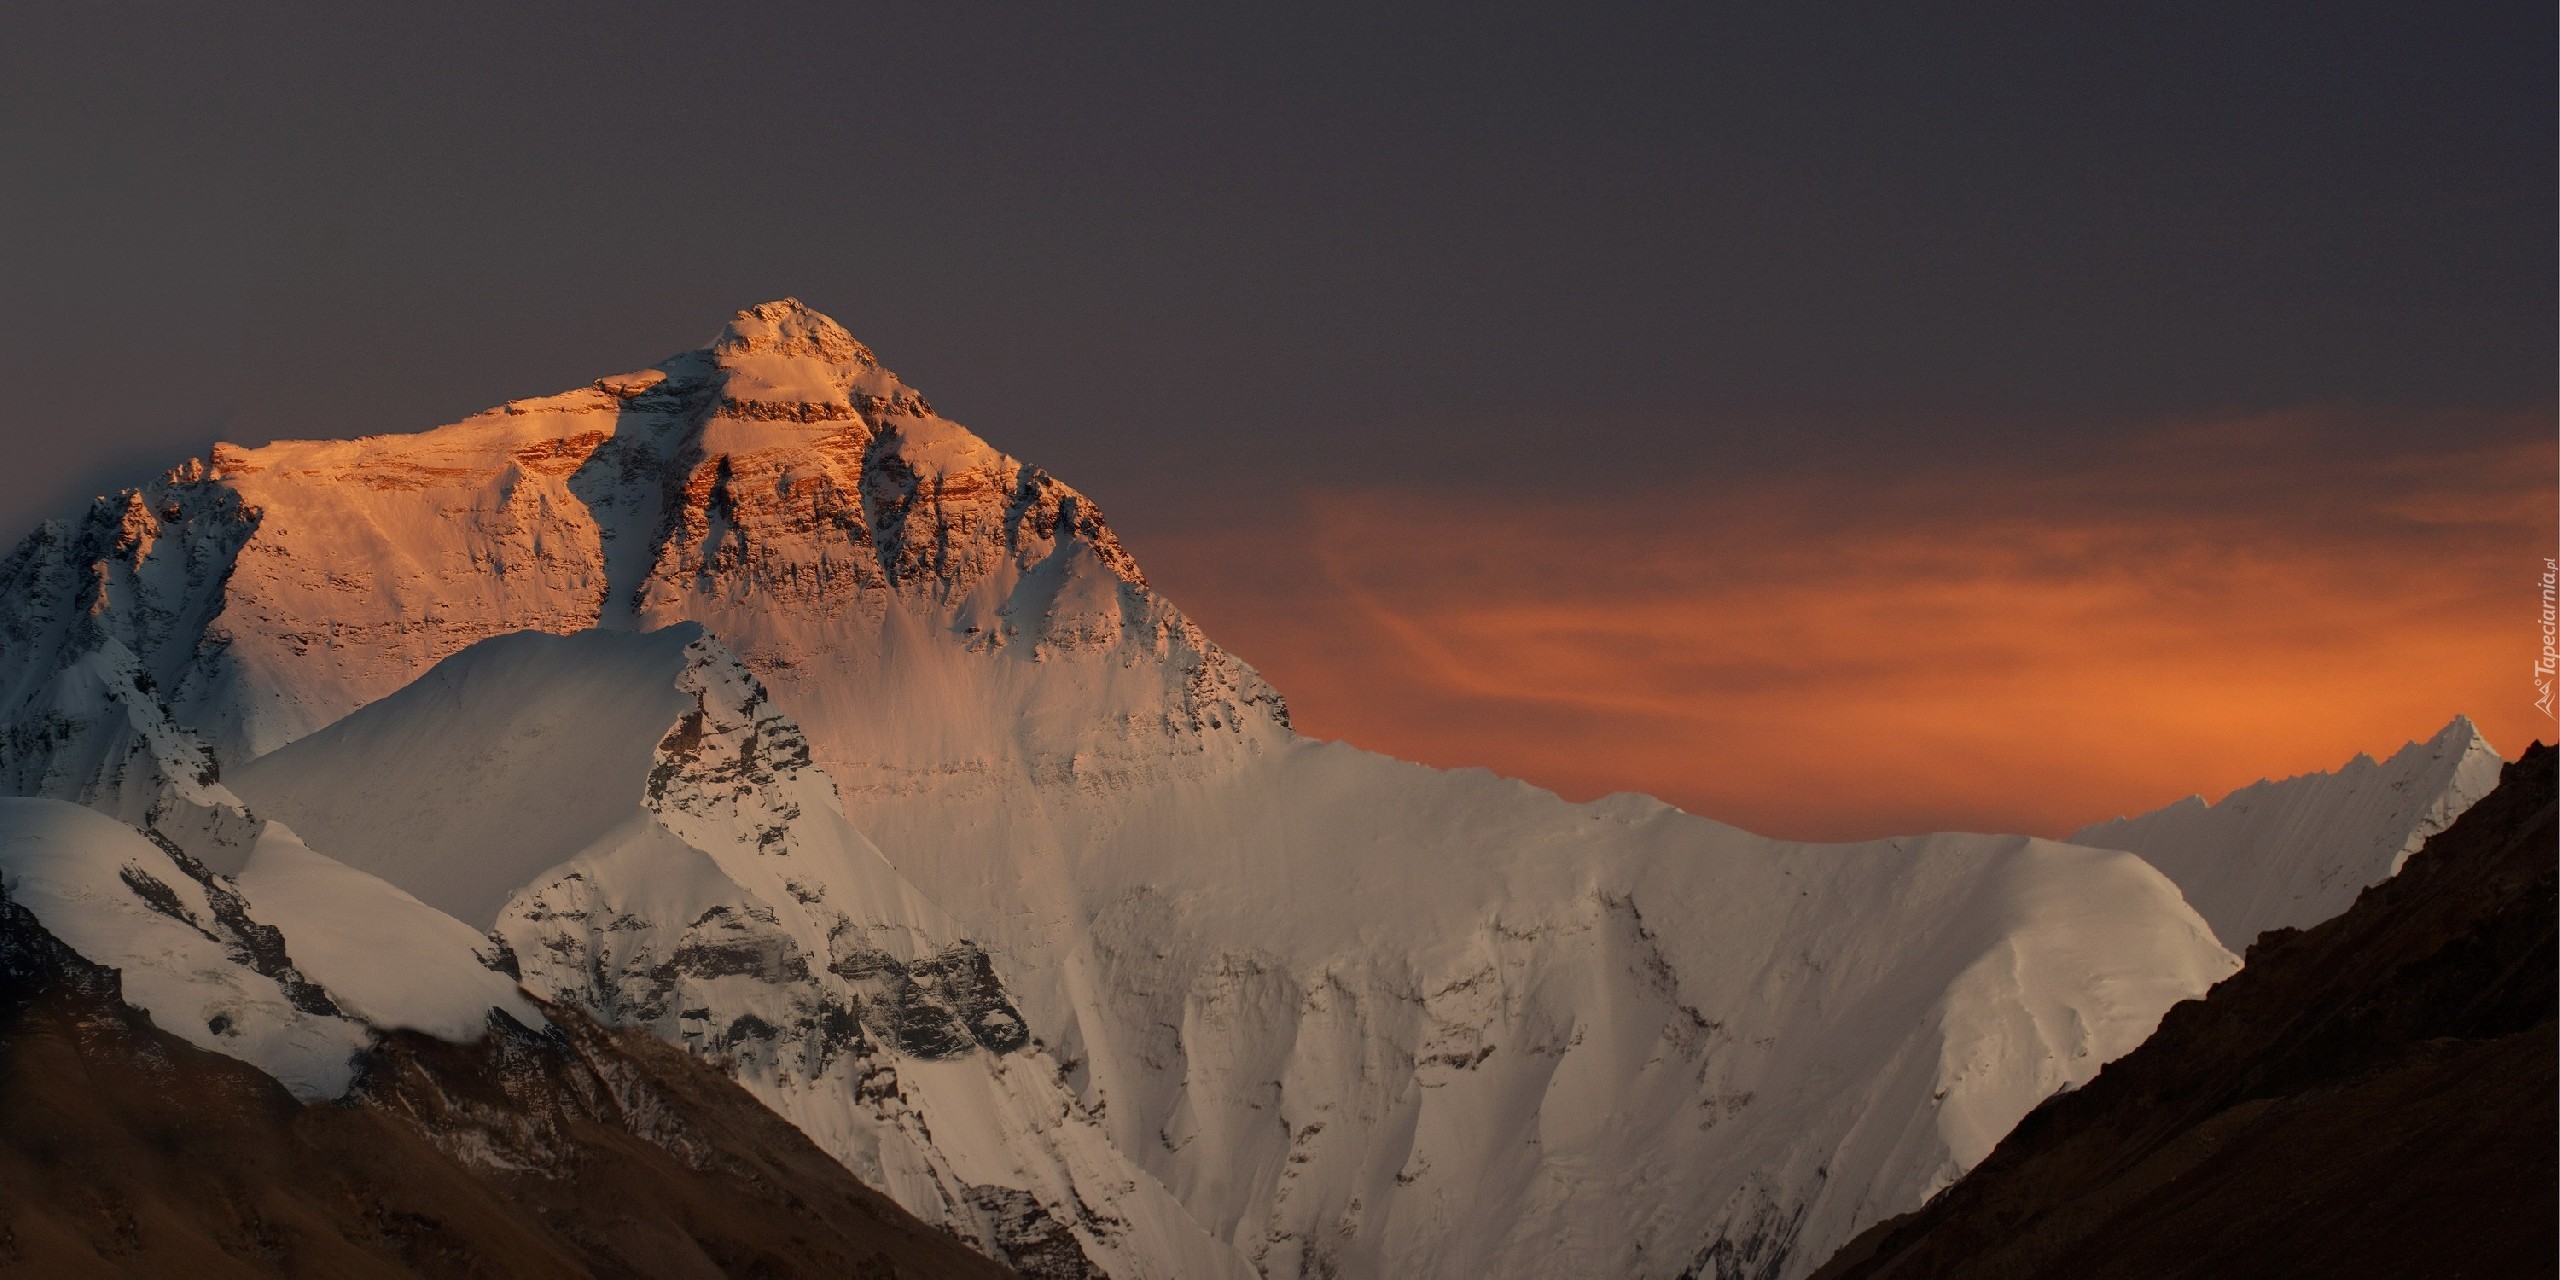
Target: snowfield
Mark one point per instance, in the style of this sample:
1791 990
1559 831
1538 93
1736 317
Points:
746 699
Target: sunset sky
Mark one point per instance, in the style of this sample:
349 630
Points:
1996 646
1835 423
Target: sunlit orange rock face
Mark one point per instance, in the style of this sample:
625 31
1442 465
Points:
778 486
2030 645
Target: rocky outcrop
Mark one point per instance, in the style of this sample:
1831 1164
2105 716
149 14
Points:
2369 1097
144 568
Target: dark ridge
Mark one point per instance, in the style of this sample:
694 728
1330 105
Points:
570 1152
2369 1097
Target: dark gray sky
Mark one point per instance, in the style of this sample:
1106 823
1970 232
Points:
1193 255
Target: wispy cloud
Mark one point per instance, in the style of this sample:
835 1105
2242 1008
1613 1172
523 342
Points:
2023 645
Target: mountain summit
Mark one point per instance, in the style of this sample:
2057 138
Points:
790 327
859 759
779 486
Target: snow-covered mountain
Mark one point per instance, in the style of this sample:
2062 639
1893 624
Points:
859 757
644 837
2290 854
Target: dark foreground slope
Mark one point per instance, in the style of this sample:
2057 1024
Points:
125 1151
2370 1097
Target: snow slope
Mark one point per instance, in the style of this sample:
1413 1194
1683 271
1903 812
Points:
289 962
2290 854
382 955
643 831
119 900
1358 1017
494 766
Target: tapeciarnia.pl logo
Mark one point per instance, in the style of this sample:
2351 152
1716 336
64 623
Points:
2544 665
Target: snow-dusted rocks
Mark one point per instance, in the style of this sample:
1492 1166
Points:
2290 854
1090 958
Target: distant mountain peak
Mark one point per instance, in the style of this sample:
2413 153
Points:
2294 852
789 327
2461 732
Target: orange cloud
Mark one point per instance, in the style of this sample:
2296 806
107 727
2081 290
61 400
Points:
1997 647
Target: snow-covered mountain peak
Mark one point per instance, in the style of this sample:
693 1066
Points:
2458 739
2460 734
2293 852
853 547
789 327
783 362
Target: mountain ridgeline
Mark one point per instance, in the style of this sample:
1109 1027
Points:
2372 1096
745 708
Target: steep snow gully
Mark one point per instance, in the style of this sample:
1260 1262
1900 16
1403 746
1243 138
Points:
746 700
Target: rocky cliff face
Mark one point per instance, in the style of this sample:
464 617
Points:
2369 1097
1015 892
779 486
